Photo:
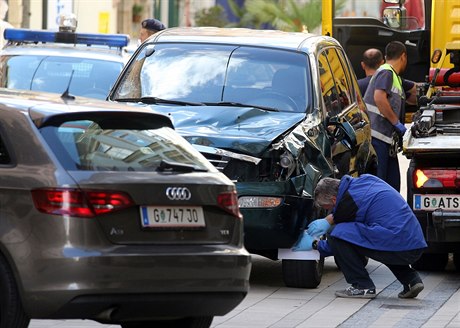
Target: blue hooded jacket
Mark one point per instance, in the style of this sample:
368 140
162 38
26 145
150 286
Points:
372 214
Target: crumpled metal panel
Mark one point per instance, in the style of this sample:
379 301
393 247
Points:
307 139
247 130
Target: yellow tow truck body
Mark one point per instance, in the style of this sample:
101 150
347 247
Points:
445 24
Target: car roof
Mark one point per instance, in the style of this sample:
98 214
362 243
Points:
42 105
243 36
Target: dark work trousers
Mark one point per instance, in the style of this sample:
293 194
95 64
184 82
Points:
351 260
387 167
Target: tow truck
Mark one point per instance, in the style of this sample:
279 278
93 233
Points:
428 25
358 33
433 146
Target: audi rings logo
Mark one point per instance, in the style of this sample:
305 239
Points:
178 193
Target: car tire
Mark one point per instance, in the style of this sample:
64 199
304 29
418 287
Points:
11 311
192 322
432 262
302 274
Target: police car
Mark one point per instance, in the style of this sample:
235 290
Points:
84 64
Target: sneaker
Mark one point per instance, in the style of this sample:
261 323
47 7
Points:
352 292
411 291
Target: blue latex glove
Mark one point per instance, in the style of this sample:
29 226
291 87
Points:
318 227
400 128
304 243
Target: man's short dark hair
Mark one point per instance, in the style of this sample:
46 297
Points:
394 50
372 58
153 24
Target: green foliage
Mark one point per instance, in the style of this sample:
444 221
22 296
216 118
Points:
212 16
286 15
137 9
246 18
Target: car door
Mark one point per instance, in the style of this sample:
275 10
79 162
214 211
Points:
341 104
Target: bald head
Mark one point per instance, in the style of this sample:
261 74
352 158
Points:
372 59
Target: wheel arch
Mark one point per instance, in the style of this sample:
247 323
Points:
6 257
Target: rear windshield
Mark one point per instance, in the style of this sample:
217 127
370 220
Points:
84 77
89 145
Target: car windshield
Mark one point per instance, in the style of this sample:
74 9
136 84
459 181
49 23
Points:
126 146
84 77
217 75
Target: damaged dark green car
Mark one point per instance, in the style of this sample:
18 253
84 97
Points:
274 111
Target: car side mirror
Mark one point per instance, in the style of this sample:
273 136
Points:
343 131
395 17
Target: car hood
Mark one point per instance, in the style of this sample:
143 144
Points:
242 129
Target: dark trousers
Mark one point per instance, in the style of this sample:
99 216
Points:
351 260
387 167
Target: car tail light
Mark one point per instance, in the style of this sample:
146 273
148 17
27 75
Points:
79 203
229 202
436 178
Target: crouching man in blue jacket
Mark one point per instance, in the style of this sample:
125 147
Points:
371 219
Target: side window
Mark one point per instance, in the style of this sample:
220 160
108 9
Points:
328 87
340 78
352 88
353 116
17 72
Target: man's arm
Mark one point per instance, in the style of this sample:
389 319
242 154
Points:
345 210
382 103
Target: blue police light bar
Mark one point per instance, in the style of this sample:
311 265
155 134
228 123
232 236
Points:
25 35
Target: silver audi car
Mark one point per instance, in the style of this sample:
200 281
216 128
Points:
107 214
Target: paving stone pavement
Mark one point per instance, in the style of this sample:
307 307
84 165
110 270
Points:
268 305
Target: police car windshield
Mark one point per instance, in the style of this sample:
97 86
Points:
87 77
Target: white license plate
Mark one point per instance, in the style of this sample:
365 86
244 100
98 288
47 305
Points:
434 202
172 216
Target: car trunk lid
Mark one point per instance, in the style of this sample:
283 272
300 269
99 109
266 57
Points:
167 208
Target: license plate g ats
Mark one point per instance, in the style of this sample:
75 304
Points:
434 202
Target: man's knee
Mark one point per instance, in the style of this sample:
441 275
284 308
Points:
343 248
338 244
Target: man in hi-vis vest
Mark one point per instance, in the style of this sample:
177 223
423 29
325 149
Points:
385 99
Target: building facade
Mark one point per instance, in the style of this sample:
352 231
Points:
104 16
